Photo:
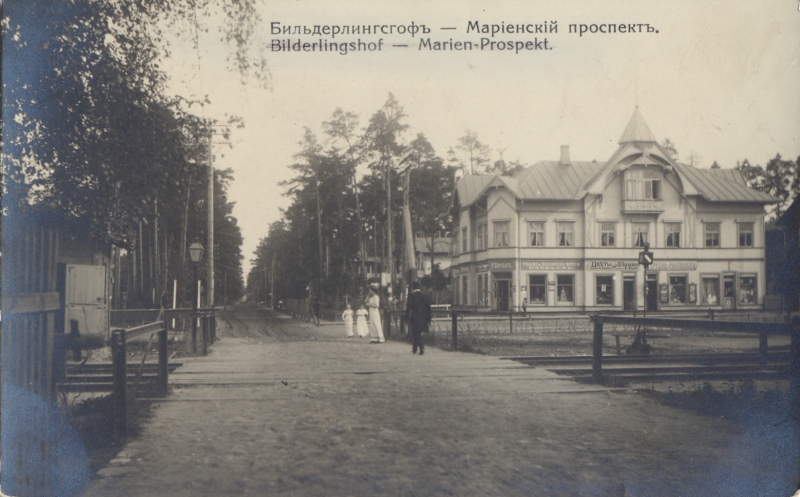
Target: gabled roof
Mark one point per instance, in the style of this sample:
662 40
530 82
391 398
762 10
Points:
423 245
553 180
733 175
714 186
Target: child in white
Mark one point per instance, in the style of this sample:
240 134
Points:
347 317
361 322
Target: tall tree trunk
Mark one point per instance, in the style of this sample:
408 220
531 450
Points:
361 243
185 225
389 240
319 233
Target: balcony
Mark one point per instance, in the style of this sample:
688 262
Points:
642 206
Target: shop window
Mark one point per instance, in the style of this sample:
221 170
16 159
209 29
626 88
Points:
480 289
501 236
641 234
747 290
605 290
483 289
566 234
677 289
745 234
565 288
710 291
464 240
673 234
608 232
537 289
536 233
711 234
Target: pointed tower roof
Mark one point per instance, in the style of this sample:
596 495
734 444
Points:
637 130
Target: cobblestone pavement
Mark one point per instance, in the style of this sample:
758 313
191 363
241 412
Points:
281 407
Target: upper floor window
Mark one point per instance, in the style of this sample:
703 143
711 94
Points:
536 233
566 234
608 232
647 189
454 246
673 234
745 234
479 237
464 240
485 236
641 234
711 234
501 235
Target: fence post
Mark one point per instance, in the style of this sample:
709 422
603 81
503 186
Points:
194 332
762 348
163 370
454 328
213 327
204 334
597 350
511 321
794 373
120 397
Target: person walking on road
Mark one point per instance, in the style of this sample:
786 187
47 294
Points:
375 326
347 317
315 310
418 316
361 322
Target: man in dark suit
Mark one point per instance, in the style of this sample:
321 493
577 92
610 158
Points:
418 316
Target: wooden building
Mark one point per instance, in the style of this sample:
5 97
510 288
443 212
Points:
565 235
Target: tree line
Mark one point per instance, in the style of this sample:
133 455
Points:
90 134
345 217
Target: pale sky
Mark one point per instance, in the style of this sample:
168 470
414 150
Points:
720 79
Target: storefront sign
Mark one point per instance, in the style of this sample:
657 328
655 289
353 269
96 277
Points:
632 265
612 265
483 267
462 270
673 266
502 265
534 265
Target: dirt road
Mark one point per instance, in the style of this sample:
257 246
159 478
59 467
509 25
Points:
280 407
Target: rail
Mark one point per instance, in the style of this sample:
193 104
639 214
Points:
762 329
99 377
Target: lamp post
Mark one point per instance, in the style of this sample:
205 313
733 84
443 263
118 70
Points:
195 253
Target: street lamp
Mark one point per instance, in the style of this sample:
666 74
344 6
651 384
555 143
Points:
195 253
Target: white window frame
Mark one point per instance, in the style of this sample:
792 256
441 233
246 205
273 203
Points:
707 225
685 288
566 237
669 230
531 286
498 241
608 227
559 287
464 240
597 288
740 232
639 241
741 289
539 232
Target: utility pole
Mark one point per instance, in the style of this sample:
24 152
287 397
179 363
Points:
210 296
272 283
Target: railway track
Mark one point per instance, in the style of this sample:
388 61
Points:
670 367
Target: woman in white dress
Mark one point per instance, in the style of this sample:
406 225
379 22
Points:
347 317
361 322
375 326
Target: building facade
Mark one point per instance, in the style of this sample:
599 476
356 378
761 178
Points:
566 235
